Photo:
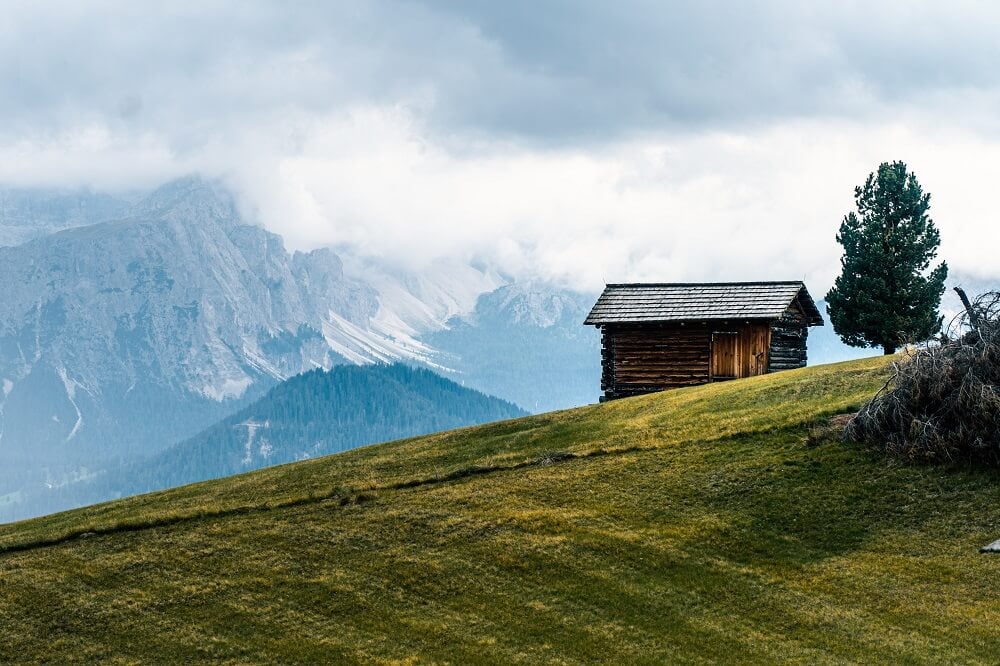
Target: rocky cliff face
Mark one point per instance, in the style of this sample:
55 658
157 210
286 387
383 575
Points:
121 337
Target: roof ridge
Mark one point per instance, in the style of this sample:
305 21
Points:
701 284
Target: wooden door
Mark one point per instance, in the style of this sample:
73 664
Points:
725 359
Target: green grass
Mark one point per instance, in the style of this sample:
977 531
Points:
692 526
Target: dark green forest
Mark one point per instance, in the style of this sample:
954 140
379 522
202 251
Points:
317 413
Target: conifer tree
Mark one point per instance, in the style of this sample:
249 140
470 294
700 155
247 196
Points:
884 296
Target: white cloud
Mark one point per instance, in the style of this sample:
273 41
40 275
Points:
762 204
580 143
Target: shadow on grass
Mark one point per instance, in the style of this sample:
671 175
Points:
827 498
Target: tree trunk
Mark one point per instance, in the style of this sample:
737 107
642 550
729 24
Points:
973 316
888 350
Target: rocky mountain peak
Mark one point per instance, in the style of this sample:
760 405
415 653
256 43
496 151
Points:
192 200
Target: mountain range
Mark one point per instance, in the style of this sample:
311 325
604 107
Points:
121 337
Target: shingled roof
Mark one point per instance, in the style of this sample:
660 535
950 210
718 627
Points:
651 302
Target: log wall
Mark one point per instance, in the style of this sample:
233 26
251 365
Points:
788 344
652 357
788 340
642 359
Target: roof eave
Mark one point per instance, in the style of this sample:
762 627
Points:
689 320
815 317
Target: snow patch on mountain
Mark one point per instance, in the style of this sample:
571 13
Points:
229 387
364 345
259 362
70 387
412 304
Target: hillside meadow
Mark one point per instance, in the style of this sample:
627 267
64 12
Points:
693 526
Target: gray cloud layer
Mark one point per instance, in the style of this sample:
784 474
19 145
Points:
557 71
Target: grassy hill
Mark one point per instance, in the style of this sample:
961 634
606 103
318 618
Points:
689 526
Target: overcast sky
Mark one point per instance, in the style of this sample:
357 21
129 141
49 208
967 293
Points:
578 141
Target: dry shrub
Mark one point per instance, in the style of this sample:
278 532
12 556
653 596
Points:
943 401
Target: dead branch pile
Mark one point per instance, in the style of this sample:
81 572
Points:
943 401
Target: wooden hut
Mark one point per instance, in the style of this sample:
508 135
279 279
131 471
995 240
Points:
661 336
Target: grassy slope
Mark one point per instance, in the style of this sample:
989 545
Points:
690 526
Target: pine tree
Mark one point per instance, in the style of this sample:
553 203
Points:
883 297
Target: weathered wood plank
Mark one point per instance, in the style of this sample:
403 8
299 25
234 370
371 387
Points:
640 358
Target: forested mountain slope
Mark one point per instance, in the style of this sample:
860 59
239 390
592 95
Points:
319 413
312 414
